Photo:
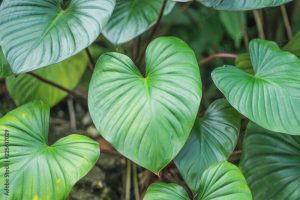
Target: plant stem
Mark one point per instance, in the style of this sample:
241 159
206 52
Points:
91 60
128 180
286 22
218 55
245 30
155 28
162 10
71 113
135 182
259 24
84 96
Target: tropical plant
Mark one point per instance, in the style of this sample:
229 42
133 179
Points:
180 131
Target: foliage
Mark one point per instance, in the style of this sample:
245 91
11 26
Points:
136 63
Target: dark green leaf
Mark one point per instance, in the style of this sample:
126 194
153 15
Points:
271 163
213 139
4 66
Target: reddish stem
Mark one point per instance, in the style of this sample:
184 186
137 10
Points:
218 55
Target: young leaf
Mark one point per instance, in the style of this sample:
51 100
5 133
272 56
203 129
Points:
212 140
270 162
233 23
221 181
148 119
294 45
132 18
49 33
242 4
68 73
271 95
165 191
30 168
4 66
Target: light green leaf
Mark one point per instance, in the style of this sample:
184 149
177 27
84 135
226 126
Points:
222 181
4 66
234 24
37 33
294 45
148 119
132 18
242 4
243 62
30 167
68 73
271 96
270 162
165 191
212 140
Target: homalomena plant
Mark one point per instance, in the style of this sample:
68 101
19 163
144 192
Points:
144 97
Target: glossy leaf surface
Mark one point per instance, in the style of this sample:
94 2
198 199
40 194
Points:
31 168
271 95
148 119
222 181
165 191
270 162
212 140
132 18
242 4
25 88
37 33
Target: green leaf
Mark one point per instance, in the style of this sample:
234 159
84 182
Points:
294 45
131 18
270 162
165 191
212 140
243 62
4 66
222 181
68 73
242 4
38 33
148 119
270 96
30 167
234 24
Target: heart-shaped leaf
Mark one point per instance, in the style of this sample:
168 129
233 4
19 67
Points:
148 119
68 73
4 66
51 30
242 4
270 162
271 95
132 18
222 181
212 140
29 167
166 191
